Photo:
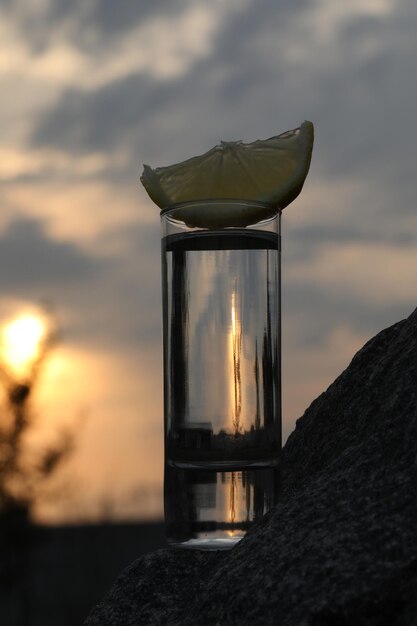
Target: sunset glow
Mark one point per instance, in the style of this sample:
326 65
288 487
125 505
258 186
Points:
22 342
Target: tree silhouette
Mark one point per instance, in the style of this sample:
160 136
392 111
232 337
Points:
24 473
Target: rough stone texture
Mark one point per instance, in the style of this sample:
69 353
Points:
341 546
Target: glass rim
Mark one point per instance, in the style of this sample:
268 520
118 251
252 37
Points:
225 201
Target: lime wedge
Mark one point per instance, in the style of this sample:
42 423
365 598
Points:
270 172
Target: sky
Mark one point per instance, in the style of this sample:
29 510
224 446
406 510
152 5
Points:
90 90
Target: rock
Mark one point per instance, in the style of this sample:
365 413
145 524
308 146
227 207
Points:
340 548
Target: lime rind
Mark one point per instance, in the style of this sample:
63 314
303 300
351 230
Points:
270 171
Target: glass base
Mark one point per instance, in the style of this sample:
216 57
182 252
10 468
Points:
211 509
214 543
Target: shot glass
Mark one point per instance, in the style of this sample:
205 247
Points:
222 371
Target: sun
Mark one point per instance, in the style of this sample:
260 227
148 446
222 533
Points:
22 341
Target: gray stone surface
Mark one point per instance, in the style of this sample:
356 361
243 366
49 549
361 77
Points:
340 548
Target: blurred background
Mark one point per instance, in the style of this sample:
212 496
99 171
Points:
91 90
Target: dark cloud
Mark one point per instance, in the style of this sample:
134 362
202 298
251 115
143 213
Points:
109 302
371 117
120 307
87 25
248 89
358 92
104 119
318 311
303 242
30 260
232 94
115 17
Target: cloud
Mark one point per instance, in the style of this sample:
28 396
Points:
102 120
31 261
24 165
366 272
88 48
88 213
263 71
83 22
106 301
271 66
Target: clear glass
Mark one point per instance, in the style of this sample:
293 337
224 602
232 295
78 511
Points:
222 378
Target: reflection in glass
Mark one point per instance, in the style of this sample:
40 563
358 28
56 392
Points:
222 391
236 343
216 505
